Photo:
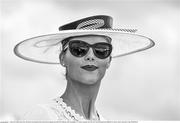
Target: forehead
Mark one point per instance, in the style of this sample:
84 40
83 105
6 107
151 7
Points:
91 39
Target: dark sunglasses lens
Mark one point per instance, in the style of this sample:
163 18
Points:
78 48
103 50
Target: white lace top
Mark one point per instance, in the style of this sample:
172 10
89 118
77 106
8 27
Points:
56 110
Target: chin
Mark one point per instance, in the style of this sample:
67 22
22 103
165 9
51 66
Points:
90 79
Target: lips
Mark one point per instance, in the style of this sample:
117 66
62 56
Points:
89 67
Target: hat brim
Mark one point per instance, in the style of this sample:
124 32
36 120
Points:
46 48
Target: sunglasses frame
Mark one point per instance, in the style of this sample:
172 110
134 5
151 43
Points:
93 46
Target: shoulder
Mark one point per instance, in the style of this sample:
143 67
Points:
37 112
49 111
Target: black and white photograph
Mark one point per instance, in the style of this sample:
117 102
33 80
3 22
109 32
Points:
90 60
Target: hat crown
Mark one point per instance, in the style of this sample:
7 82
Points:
93 22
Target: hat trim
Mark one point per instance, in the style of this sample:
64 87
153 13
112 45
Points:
125 31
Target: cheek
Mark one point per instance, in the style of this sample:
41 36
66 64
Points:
102 67
72 64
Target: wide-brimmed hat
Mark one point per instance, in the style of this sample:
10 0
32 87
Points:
46 48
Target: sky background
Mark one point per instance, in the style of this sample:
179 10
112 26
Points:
141 86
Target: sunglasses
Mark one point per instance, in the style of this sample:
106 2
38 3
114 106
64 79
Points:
80 48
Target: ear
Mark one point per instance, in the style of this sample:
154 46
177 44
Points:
108 64
61 59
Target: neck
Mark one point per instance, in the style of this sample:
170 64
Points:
81 97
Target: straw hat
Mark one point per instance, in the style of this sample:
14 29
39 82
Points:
46 48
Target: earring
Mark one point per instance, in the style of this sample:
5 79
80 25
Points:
63 65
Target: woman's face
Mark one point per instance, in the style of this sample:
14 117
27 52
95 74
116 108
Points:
77 67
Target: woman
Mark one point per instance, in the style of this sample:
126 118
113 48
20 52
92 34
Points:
85 48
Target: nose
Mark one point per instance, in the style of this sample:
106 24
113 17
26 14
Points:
89 56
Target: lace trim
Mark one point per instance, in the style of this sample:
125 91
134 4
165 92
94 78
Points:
123 30
69 112
59 114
